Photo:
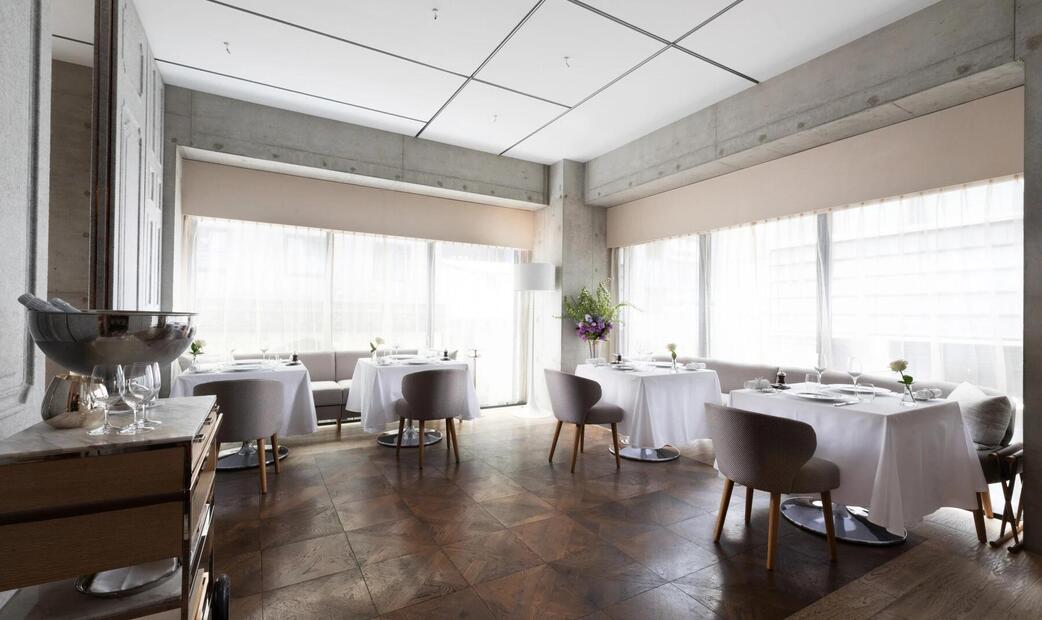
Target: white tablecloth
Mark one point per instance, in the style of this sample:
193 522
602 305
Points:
660 407
902 463
298 407
375 388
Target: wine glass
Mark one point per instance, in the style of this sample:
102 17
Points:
153 396
135 388
106 379
264 352
854 370
820 366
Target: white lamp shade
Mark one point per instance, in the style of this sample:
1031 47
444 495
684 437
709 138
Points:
534 277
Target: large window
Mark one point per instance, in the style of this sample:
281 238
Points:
936 278
290 288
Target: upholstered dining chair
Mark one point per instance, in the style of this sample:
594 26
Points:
439 394
252 410
772 454
575 400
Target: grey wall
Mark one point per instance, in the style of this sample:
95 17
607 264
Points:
25 74
137 185
949 53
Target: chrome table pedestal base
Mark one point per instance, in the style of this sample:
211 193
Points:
246 457
129 580
852 524
410 437
651 455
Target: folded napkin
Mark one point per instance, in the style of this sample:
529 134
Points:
926 394
62 305
35 303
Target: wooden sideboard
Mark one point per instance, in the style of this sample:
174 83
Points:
72 505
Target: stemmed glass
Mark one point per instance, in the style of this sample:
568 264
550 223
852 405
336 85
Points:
156 382
135 390
820 366
854 370
264 352
105 380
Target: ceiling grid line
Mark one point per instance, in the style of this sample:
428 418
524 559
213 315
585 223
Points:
470 78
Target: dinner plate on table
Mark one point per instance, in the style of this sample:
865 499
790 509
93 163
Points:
244 368
820 397
623 367
662 364
416 361
848 388
250 362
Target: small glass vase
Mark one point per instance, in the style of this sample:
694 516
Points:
674 367
907 399
195 363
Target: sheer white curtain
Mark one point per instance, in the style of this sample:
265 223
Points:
476 307
935 278
258 285
380 287
763 292
660 281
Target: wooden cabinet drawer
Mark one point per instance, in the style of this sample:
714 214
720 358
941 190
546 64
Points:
205 441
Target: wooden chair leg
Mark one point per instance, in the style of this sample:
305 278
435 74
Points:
978 522
986 501
830 525
575 449
398 440
557 433
262 465
615 442
455 439
275 451
339 421
749 504
582 438
772 529
721 514
422 441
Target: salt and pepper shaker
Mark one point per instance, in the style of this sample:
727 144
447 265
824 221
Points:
618 358
445 355
781 376
294 358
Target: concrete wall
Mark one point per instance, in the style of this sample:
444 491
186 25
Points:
237 193
978 140
949 53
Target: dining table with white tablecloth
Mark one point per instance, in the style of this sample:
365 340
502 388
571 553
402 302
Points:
375 387
298 407
660 406
901 463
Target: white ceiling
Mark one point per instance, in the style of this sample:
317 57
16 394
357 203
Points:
488 75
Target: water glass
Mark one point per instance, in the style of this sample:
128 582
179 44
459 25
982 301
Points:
866 392
135 390
813 381
107 378
854 369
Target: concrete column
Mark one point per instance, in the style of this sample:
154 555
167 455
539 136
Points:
1029 39
573 236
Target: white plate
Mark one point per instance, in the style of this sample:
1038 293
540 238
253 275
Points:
251 362
819 397
662 364
244 368
623 366
416 361
847 388
402 356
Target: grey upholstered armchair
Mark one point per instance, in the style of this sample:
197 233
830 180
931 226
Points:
771 454
252 409
439 394
575 401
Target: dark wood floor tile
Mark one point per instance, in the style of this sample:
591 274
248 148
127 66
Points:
346 487
490 486
464 604
604 575
358 513
556 537
614 522
538 592
665 601
310 522
736 536
442 497
340 595
662 508
411 579
233 537
307 559
569 497
247 608
384 541
518 509
236 507
243 569
494 555
458 523
293 500
667 554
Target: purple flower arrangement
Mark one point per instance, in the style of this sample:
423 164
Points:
594 315
593 328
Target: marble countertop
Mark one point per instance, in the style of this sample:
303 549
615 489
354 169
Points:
182 418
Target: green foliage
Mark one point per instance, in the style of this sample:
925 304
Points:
599 305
